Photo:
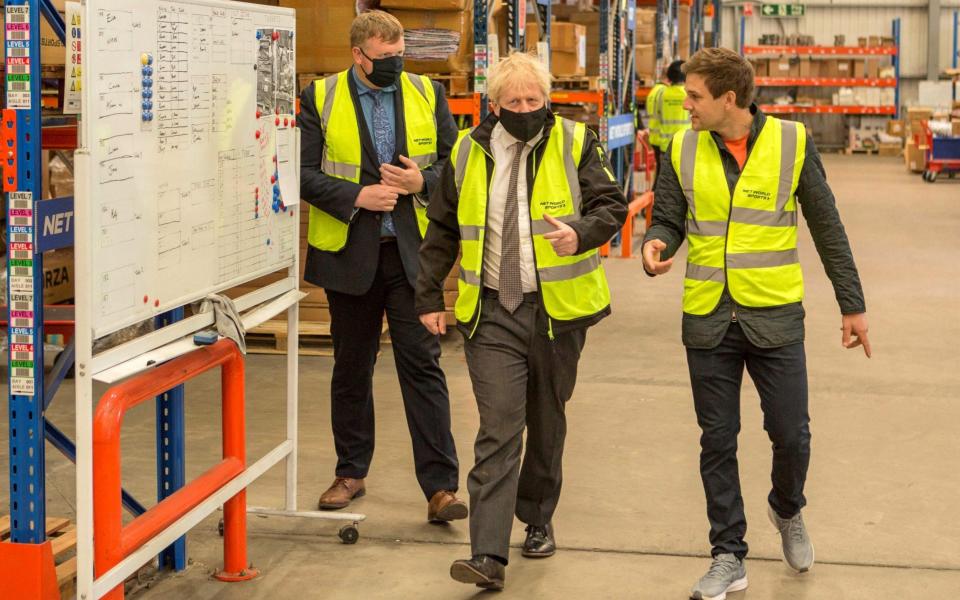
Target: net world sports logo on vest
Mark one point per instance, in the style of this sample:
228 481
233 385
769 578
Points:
758 195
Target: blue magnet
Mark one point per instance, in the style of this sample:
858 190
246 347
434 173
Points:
148 93
259 34
147 71
147 82
268 242
147 105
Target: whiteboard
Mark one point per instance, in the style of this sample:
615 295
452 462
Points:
193 183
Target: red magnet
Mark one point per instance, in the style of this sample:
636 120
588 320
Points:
276 35
273 179
286 122
278 121
258 134
156 303
146 299
259 114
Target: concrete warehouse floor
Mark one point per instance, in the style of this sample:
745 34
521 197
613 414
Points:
883 481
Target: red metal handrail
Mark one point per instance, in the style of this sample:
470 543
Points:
114 542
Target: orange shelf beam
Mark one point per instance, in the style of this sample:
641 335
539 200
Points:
466 106
591 97
783 109
825 81
822 50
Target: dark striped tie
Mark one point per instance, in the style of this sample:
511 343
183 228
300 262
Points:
511 289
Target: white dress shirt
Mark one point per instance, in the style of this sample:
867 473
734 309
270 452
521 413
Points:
503 146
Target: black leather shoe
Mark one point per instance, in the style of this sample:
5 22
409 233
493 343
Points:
539 542
482 571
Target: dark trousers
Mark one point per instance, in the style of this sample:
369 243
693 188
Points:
780 375
356 323
521 379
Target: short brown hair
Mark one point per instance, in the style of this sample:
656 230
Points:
723 70
375 24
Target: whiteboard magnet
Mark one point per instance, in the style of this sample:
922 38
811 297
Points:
146 299
156 303
278 122
145 59
276 35
257 134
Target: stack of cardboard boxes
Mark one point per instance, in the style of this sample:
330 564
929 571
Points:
570 47
915 149
324 45
646 53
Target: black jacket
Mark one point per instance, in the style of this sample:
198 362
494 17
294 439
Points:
351 270
764 327
604 211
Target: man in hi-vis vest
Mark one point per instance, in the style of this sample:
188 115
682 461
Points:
732 187
526 199
374 139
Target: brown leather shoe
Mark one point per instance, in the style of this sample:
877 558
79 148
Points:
341 492
445 506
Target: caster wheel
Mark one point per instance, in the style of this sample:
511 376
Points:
220 527
932 177
349 534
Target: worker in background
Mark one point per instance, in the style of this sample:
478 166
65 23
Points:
653 121
374 140
669 108
743 292
528 198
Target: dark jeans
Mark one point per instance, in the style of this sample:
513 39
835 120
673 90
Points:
780 375
521 379
356 323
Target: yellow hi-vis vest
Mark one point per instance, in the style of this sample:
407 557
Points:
571 287
339 120
653 119
747 243
671 114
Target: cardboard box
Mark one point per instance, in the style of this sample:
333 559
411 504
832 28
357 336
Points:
683 27
836 68
886 149
780 67
329 53
58 275
955 127
591 20
760 67
457 5
459 21
859 68
568 48
914 156
646 62
871 68
805 67
873 41
895 127
646 23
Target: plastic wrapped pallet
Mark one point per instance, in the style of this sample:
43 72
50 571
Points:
437 41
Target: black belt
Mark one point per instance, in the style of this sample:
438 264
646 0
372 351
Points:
388 239
527 297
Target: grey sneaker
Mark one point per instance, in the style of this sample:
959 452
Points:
726 574
797 549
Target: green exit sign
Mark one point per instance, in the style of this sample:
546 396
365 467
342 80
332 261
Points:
782 10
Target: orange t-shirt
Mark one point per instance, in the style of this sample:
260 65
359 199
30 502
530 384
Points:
738 148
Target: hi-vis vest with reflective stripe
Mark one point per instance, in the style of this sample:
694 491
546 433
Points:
748 242
653 119
671 114
572 287
342 149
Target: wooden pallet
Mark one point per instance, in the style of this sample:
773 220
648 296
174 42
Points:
271 338
63 540
456 84
581 82
861 150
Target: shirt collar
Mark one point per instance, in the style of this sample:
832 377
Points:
501 135
364 89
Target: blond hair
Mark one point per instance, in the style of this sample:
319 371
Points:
375 24
518 70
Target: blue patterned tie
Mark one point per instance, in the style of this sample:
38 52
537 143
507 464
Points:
385 142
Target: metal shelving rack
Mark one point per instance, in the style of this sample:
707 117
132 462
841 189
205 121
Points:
833 51
28 239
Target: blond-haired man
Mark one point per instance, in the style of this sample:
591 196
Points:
526 198
374 139
731 187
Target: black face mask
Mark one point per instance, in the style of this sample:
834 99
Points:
523 126
386 71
